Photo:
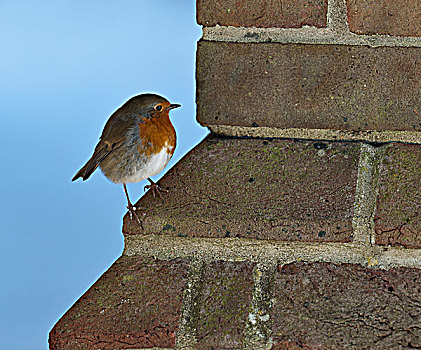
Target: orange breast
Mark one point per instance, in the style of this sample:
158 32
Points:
156 133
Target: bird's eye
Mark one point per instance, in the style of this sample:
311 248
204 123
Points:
158 108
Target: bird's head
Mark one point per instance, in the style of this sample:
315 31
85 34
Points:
152 106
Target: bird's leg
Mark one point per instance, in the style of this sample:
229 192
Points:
131 207
155 188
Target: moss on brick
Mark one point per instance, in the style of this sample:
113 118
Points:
398 218
136 303
254 188
224 304
335 87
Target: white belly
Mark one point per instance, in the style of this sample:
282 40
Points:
151 166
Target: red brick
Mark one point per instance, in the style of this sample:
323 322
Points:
392 17
262 13
135 304
309 86
224 304
253 188
398 221
329 306
288 345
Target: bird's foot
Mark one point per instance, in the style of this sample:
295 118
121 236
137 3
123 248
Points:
156 190
132 212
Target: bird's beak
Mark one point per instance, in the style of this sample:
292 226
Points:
172 106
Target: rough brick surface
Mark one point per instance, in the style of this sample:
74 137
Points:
135 304
254 188
398 220
328 306
291 345
262 13
224 304
390 17
309 86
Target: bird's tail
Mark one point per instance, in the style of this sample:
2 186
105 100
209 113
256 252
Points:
93 163
86 170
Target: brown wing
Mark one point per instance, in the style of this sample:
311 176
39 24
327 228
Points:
102 150
113 136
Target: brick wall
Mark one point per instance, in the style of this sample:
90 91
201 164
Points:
296 223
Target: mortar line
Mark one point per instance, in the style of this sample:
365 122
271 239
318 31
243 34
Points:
366 191
317 134
186 338
337 20
305 35
152 349
234 249
257 334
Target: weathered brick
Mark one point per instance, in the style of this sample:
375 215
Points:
309 86
224 304
289 345
398 220
135 304
254 188
329 306
262 13
392 17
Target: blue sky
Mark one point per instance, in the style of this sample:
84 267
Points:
65 67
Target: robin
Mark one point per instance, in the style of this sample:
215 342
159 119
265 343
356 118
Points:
137 142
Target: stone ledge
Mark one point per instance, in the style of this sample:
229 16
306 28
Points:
348 185
266 199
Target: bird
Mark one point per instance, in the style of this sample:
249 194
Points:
137 142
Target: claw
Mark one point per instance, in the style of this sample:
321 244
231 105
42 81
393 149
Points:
132 212
155 189
132 208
